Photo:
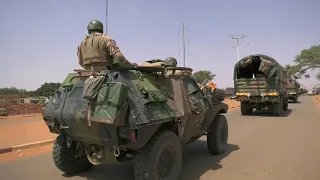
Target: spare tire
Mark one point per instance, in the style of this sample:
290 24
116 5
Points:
219 94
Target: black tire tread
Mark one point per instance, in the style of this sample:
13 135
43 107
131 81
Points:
245 108
145 154
212 143
62 158
219 94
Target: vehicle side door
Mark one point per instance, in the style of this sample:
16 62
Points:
198 107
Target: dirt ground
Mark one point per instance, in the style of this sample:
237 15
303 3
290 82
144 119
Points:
23 131
232 103
21 109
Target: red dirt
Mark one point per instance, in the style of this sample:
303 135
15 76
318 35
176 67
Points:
13 96
232 103
23 133
18 109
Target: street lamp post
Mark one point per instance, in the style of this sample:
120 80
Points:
237 37
238 49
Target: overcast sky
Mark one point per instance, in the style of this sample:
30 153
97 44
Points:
39 38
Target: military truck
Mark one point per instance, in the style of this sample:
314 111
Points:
139 113
229 91
293 89
260 82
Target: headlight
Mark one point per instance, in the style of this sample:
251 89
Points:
248 94
263 94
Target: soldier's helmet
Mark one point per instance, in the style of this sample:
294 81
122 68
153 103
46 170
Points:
95 25
171 61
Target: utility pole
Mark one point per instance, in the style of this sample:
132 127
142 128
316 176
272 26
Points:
184 38
106 17
237 37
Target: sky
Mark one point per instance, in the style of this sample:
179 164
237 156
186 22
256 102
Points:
39 38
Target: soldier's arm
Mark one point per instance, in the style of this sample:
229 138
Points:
80 60
115 52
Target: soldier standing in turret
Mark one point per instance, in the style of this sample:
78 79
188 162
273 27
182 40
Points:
98 50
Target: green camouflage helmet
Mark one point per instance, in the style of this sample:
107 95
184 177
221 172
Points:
95 25
171 61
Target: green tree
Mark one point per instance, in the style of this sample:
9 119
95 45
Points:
47 89
308 59
202 75
291 69
12 90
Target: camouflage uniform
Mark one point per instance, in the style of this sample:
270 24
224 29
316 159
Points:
98 50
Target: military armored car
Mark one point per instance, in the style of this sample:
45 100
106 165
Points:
139 113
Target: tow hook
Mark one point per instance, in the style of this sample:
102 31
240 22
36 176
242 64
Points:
69 142
116 151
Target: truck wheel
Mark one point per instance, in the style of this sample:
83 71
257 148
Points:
285 105
245 108
217 135
161 158
277 108
219 94
64 157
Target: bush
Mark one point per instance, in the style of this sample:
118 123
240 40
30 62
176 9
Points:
3 112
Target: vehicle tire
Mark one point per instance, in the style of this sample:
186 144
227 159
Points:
245 108
295 100
219 94
285 105
164 147
64 157
217 135
277 108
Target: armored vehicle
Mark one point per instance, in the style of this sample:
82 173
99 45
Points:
139 113
293 89
261 82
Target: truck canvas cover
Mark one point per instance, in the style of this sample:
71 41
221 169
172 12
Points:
259 73
292 85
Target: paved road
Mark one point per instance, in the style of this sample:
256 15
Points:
261 148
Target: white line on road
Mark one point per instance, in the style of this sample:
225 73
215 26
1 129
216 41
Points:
247 125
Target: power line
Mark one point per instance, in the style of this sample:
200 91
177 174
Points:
185 32
237 37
